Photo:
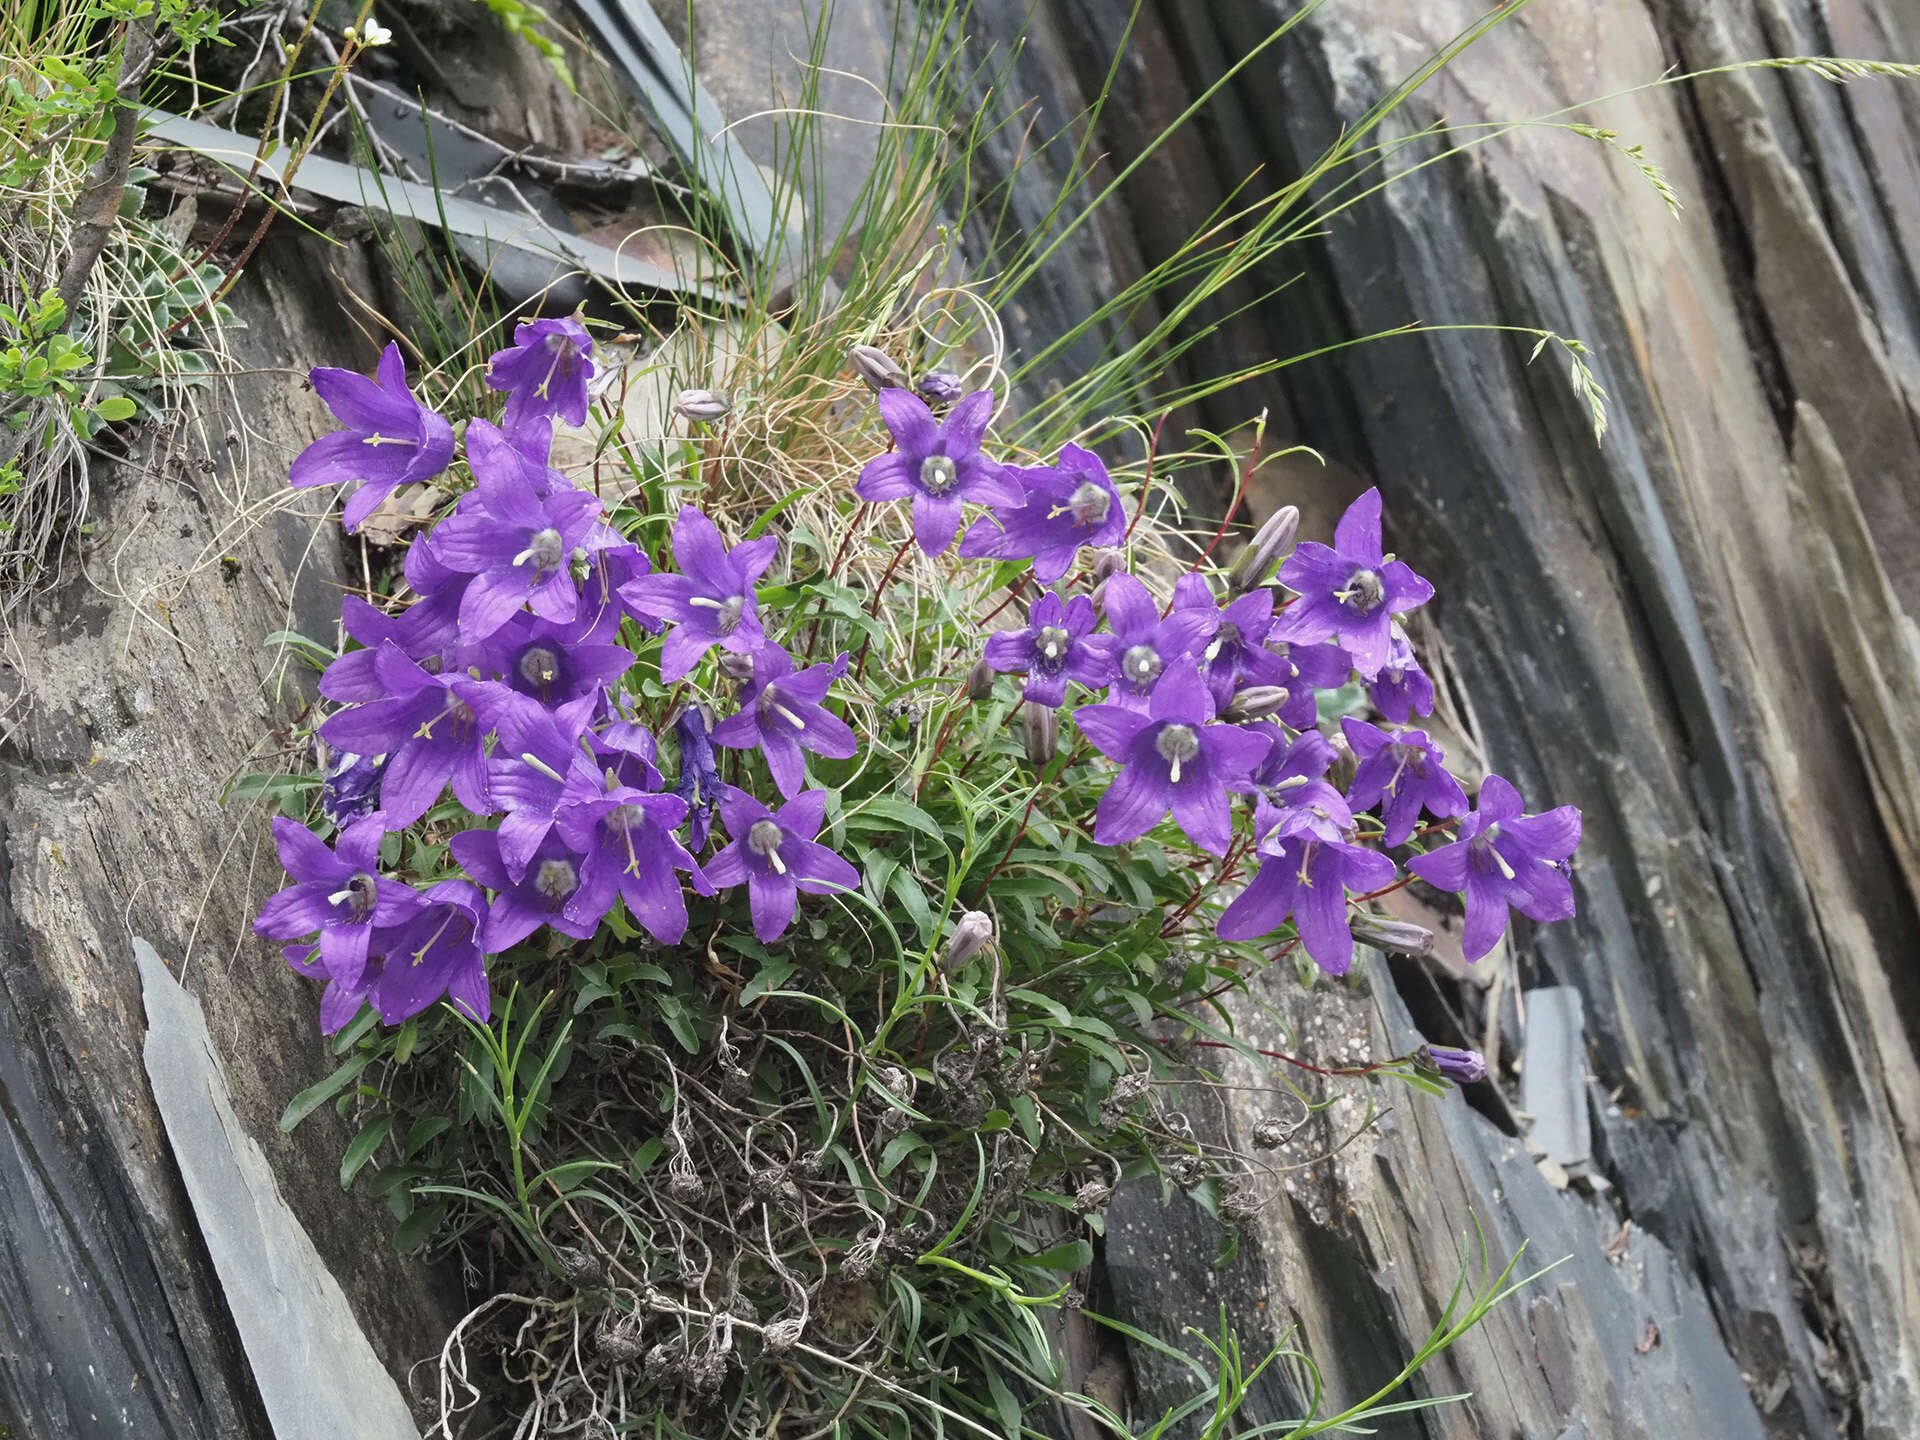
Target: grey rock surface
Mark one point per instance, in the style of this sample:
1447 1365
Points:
315 1371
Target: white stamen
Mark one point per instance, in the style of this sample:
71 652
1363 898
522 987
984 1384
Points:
545 769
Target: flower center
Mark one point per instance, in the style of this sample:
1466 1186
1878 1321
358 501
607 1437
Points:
359 895
1050 646
1088 505
764 840
1363 593
938 474
546 549
1177 744
768 707
556 880
1141 664
626 817
540 666
1226 640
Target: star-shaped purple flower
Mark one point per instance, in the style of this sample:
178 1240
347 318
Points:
338 892
433 730
538 752
1401 690
775 855
539 659
627 837
1293 796
938 464
545 372
1144 645
391 439
1236 654
494 452
1172 758
1056 646
520 548
1308 878
539 897
1068 504
1505 858
711 601
1403 774
780 712
1351 591
1305 669
435 953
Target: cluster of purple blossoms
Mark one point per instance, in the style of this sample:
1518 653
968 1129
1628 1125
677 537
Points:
501 682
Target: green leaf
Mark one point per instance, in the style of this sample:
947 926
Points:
425 1132
314 1096
414 1230
1074 1255
360 1149
883 811
115 408
645 1156
771 976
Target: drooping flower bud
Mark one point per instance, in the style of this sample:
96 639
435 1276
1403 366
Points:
1271 544
940 387
1463 1067
972 933
1395 935
1345 763
1042 733
879 369
1254 703
708 405
980 681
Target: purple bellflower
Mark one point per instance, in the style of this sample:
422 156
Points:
544 372
1144 645
1172 758
712 601
938 464
780 712
391 439
1056 646
435 953
338 892
351 790
537 753
1067 505
1350 591
1463 1067
520 548
543 662
627 837
1401 690
1403 774
1305 669
490 450
699 781
775 855
1307 876
1505 858
539 897
1293 795
1236 654
433 730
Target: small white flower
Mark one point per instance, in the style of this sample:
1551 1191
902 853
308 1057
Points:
377 34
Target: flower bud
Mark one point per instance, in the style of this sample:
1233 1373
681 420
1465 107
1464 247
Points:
980 681
1395 935
1042 733
1256 702
879 369
1271 544
735 666
703 404
972 933
1463 1067
939 387
1340 776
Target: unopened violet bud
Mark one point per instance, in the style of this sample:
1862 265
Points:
1396 936
1256 702
940 387
1271 544
1463 1067
1106 561
1345 763
972 933
879 369
1042 733
708 405
734 665
980 681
